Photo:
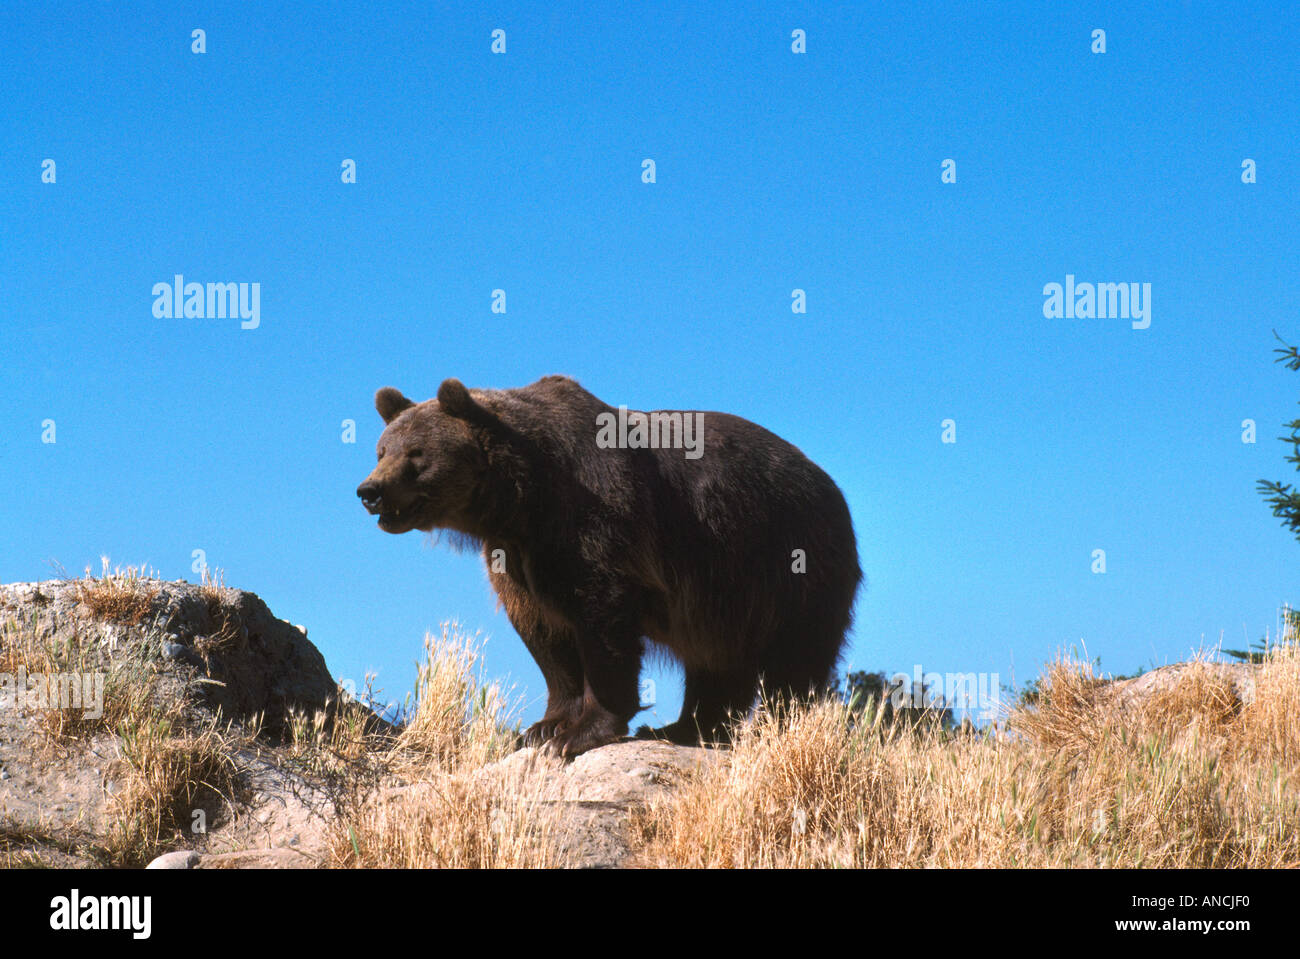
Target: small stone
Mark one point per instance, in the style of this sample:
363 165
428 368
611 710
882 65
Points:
176 860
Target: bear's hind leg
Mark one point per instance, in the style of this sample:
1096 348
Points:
712 703
793 680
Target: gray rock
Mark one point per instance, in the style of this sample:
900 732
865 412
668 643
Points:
186 859
1236 681
258 664
598 791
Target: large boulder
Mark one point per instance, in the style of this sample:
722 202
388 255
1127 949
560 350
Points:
221 648
199 657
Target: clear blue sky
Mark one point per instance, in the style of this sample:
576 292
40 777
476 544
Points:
775 171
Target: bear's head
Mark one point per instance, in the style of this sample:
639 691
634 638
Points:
430 461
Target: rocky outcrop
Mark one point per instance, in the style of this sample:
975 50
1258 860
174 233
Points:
220 647
203 658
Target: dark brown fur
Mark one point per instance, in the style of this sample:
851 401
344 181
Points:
593 551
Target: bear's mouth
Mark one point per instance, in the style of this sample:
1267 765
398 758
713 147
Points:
404 519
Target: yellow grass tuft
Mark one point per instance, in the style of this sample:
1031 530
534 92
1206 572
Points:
123 595
448 812
178 779
71 664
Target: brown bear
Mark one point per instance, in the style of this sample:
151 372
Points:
604 530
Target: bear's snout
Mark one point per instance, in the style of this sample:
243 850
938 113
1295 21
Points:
370 496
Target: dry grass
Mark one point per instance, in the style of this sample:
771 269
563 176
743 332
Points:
226 632
1184 777
167 769
78 662
29 846
212 587
121 595
452 822
179 779
457 719
447 813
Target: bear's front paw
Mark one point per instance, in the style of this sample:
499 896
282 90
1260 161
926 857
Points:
593 729
543 731
559 716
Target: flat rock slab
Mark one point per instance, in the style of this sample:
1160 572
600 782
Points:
599 790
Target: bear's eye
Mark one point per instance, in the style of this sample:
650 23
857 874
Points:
415 454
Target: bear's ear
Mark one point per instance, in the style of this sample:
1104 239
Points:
455 399
389 402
